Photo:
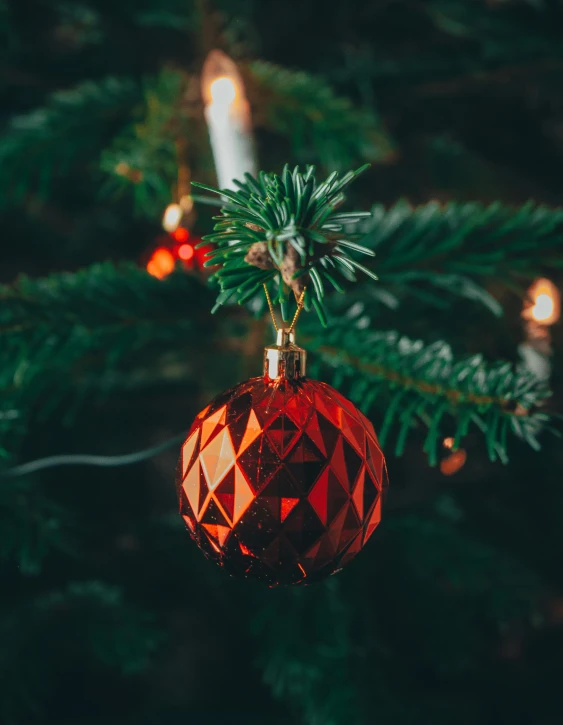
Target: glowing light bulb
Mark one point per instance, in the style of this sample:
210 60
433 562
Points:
172 217
181 234
545 303
161 263
223 92
186 252
543 308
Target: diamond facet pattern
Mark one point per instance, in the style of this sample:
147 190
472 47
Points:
281 480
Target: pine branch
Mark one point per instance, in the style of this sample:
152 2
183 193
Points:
57 334
316 120
285 231
71 335
143 160
44 144
460 248
416 385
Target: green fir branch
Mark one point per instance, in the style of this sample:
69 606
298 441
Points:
143 159
32 525
306 109
44 144
461 249
285 231
73 335
414 385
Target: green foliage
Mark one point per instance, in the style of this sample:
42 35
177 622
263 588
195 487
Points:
415 385
461 249
330 651
72 335
55 328
32 525
306 109
453 611
306 655
44 145
293 222
144 158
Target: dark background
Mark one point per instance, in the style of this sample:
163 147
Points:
108 613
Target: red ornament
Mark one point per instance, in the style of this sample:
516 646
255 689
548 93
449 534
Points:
281 478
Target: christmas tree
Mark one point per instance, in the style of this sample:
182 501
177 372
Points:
433 312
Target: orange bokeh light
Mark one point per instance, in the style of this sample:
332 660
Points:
544 306
186 252
161 263
181 234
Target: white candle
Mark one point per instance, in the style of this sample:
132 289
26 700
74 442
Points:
228 118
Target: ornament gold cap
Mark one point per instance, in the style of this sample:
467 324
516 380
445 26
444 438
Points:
285 359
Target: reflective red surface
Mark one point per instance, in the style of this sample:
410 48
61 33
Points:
281 480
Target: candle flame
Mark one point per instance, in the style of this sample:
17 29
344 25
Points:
223 92
222 84
545 303
543 309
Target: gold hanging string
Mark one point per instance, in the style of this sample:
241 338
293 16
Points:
271 308
300 305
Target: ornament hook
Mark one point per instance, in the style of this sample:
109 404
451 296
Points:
285 359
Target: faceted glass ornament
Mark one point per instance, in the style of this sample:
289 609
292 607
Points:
281 480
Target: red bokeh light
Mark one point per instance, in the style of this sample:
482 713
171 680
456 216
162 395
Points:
186 252
181 234
170 253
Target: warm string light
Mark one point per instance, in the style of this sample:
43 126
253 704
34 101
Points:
181 234
456 459
178 248
227 113
172 217
542 308
544 303
185 252
542 311
161 263
178 214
